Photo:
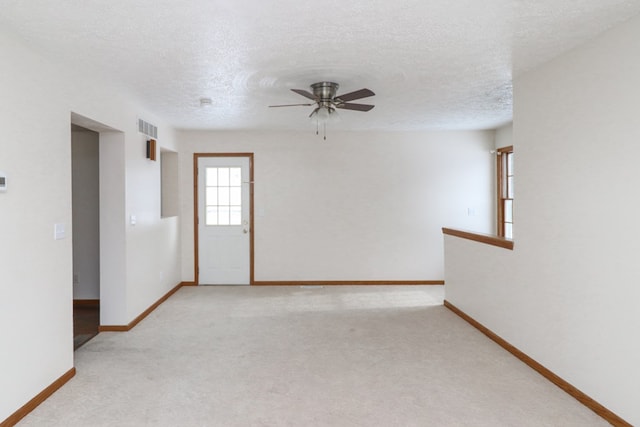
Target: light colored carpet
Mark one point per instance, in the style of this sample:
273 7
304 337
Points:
291 356
79 340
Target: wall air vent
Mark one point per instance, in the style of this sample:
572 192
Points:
147 128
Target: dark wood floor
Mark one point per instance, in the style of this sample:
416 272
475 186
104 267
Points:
86 319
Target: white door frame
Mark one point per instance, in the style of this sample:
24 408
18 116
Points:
196 184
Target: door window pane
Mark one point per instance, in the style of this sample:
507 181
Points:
235 177
235 196
212 196
212 215
223 196
212 177
223 177
223 215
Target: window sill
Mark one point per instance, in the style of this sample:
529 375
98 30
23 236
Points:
479 237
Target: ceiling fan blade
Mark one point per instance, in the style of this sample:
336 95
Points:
291 105
362 93
356 107
305 93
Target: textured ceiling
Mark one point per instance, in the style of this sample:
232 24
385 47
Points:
434 64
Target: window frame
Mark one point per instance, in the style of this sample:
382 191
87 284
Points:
503 187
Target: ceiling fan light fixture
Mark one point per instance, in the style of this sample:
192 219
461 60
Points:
323 114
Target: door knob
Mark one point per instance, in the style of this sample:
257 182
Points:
245 231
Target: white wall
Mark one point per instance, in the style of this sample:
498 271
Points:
113 241
504 136
568 294
358 206
153 244
86 214
38 97
35 271
170 180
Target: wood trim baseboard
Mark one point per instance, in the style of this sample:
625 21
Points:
114 328
344 282
86 303
480 237
587 401
38 399
134 322
187 283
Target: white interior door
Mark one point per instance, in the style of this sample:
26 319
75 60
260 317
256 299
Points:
223 221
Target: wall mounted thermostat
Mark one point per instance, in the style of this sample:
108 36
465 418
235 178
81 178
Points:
3 181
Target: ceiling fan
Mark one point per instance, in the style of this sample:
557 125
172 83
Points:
326 101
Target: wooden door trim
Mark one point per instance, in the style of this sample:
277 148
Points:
196 229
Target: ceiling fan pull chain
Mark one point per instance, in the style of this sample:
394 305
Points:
325 131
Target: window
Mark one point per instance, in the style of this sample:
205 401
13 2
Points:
223 197
505 192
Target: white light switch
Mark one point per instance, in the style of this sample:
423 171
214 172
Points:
58 231
132 220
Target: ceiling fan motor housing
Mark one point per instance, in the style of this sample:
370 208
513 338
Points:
325 91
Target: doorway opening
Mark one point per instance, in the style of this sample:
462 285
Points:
98 224
85 190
